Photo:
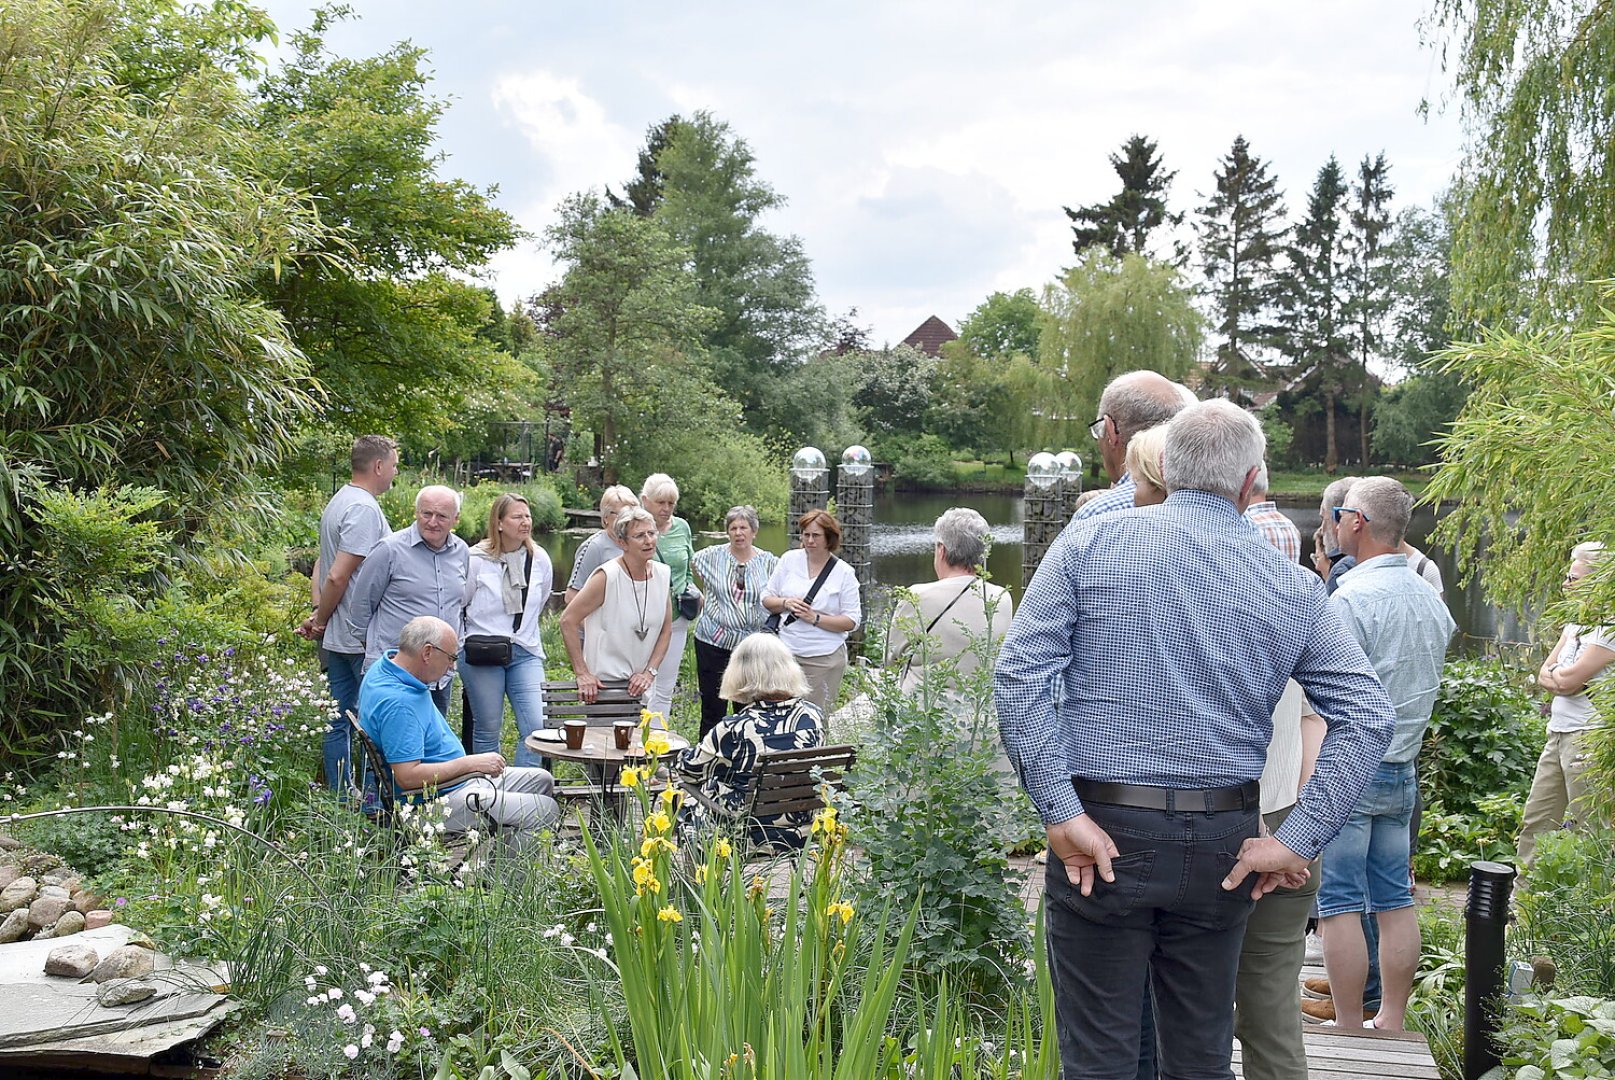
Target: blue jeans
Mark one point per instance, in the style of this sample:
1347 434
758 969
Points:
1365 868
1166 921
521 680
344 671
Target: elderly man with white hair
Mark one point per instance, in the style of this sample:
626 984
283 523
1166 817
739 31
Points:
1130 403
418 570
1135 695
396 711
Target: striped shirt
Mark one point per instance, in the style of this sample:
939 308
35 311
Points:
1151 648
734 601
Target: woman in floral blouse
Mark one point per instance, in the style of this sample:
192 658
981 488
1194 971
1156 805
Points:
766 681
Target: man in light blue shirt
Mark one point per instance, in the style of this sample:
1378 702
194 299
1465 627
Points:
1135 694
416 571
1404 627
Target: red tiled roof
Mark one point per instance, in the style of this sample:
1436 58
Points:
930 336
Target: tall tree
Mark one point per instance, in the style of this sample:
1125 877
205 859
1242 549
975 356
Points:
625 316
759 283
1241 238
1124 223
1369 289
1103 317
1003 325
1314 299
1538 85
383 310
643 191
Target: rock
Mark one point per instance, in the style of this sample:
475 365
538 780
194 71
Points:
124 962
71 961
141 941
9 842
124 992
94 920
14 927
38 863
56 891
85 901
8 874
46 910
71 922
19 894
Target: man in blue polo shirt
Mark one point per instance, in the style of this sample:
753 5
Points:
397 711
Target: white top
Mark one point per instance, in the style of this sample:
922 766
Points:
839 596
612 647
485 600
959 630
1575 712
1281 778
1426 568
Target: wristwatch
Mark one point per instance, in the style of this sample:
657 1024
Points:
652 672
816 617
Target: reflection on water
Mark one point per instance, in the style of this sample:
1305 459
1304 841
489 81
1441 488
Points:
901 547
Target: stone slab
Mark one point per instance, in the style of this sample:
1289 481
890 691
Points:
41 1013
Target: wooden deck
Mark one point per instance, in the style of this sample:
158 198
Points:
1338 1054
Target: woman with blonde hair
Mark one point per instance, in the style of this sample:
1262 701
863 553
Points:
507 584
599 548
764 679
1144 466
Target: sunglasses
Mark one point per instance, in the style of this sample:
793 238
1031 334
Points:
1335 512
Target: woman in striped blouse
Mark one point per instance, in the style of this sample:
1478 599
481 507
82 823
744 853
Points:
732 577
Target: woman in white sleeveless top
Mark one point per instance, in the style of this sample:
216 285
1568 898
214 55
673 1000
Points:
618 627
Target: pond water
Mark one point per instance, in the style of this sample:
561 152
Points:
901 545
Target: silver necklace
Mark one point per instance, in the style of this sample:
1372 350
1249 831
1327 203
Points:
642 604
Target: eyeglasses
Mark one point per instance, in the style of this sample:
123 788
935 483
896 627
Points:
446 652
1097 428
1335 512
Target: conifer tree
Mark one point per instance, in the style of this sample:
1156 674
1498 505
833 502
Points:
1314 283
1124 223
1241 236
1369 298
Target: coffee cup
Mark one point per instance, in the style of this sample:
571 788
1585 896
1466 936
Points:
574 733
623 732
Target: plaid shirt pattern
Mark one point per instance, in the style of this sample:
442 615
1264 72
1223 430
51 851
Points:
1276 528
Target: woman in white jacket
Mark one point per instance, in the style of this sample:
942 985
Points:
506 588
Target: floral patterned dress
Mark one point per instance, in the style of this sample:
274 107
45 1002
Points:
724 763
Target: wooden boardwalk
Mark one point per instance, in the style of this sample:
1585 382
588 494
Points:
1339 1054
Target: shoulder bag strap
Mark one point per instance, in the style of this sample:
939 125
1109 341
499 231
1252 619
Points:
952 602
818 582
527 583
908 650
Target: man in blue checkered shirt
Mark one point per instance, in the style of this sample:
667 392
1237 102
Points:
1135 695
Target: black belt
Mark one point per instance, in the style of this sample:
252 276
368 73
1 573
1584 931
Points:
1142 797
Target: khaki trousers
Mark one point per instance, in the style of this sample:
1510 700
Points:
1267 995
1556 789
824 677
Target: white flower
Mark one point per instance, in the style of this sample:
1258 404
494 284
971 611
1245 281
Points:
366 1039
377 978
308 981
319 969
395 1042
316 1000
364 967
346 1014
335 993
351 1050
365 997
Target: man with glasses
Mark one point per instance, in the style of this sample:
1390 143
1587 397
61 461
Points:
1404 628
419 570
1130 403
396 710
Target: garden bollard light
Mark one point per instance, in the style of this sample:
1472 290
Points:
1485 920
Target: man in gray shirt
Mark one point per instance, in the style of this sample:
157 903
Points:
351 525
416 571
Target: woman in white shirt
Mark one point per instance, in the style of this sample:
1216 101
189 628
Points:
816 630
506 587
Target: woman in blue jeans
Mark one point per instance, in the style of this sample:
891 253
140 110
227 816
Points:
506 588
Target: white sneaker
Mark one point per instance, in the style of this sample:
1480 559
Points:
1314 949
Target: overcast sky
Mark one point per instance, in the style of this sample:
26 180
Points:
925 150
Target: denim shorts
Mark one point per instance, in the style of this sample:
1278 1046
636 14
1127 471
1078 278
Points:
1365 868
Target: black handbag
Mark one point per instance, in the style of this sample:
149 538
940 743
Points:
497 650
689 603
772 624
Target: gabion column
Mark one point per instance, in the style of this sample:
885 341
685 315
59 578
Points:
810 488
1070 480
1044 515
855 509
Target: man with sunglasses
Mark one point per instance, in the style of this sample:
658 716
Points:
1404 628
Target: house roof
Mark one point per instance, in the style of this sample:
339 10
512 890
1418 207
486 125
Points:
930 336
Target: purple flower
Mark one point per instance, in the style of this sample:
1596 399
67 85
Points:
119 902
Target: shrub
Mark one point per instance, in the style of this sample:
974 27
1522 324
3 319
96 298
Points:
398 504
717 471
1567 909
1552 1037
1484 738
921 461
1448 843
